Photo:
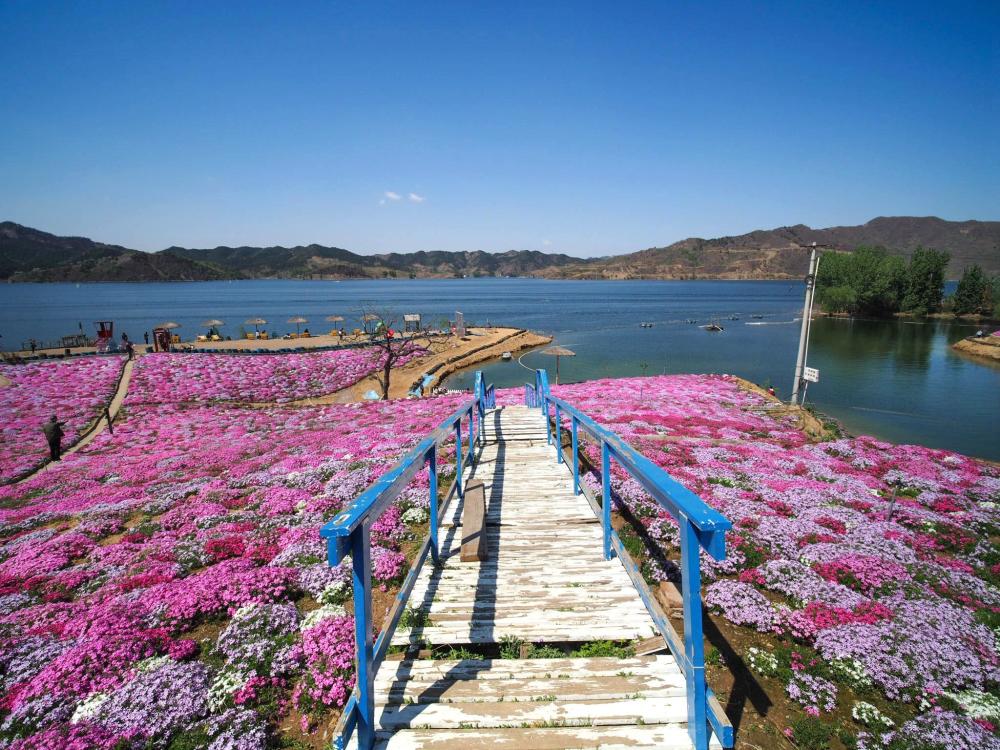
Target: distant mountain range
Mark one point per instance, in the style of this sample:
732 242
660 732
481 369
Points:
32 255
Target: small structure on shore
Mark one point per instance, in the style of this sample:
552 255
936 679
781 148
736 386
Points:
411 322
557 352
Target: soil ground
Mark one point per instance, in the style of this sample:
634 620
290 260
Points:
987 347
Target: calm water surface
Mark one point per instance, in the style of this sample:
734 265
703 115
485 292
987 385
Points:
897 380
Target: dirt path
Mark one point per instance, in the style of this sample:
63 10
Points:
447 356
808 423
100 424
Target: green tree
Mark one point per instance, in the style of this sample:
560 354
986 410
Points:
925 281
838 299
974 294
868 281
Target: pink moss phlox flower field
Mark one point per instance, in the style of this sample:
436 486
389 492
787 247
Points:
175 377
75 390
168 582
875 556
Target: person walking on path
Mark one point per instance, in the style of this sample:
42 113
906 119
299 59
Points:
54 434
130 348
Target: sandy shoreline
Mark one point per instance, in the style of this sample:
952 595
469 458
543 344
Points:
987 347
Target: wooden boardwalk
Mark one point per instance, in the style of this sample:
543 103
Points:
545 582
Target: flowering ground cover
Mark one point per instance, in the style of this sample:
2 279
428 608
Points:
164 378
76 390
167 585
865 573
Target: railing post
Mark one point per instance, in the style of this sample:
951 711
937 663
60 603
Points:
576 458
559 455
458 458
697 700
548 424
472 434
432 466
606 498
361 563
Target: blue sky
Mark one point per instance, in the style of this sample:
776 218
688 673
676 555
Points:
585 128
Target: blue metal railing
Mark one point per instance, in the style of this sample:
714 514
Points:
348 534
700 525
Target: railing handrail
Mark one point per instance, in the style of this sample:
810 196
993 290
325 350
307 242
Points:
677 499
371 502
348 533
699 526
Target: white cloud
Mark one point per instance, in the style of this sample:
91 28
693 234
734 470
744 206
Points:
392 196
417 198
546 243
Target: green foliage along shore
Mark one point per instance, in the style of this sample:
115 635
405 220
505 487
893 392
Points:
872 282
977 294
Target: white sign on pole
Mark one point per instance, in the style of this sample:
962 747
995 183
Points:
459 324
810 374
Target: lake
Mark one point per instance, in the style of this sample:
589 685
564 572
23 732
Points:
898 380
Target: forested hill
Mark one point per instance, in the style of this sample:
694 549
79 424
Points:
32 255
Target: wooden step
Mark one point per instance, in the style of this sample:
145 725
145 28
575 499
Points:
660 737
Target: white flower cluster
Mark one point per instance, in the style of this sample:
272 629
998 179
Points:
227 682
336 593
852 672
88 707
762 662
415 516
977 704
870 716
325 612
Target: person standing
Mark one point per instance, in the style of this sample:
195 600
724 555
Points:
34 345
145 337
54 435
130 348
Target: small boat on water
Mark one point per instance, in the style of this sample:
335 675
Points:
691 320
714 327
645 325
757 316
506 356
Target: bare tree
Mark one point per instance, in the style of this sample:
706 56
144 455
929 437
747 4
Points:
391 343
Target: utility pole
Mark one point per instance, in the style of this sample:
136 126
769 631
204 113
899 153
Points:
807 308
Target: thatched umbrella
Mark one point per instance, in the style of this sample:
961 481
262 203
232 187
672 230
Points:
557 352
212 324
255 322
335 319
169 325
297 320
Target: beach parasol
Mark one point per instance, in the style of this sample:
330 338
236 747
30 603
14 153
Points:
297 320
369 318
335 319
557 352
168 325
255 322
213 323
